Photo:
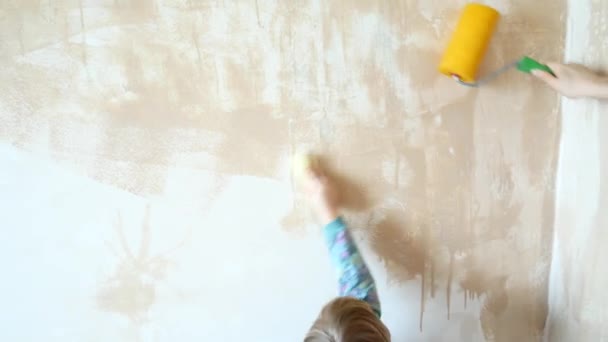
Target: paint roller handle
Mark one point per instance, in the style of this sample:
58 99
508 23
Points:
527 64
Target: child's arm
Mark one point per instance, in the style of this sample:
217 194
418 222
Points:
355 278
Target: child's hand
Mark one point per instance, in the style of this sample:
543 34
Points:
323 195
573 80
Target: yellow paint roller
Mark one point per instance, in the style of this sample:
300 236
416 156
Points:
468 46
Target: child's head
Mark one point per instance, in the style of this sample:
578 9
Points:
347 319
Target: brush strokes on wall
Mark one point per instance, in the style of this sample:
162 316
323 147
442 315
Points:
192 109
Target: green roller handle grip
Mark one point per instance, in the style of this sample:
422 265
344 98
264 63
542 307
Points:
527 64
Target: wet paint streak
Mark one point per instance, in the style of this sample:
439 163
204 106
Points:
397 168
20 29
83 44
422 300
198 53
257 13
448 290
432 264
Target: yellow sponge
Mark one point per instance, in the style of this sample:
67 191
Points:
302 164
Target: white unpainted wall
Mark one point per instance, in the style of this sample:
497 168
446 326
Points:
578 303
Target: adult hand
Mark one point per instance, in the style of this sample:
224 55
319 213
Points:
574 80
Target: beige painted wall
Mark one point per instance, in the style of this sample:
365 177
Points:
578 301
145 147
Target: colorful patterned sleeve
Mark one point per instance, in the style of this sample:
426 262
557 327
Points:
355 278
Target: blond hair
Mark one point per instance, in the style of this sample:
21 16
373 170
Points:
347 319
